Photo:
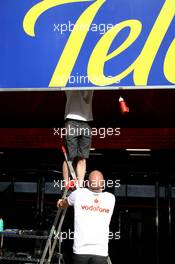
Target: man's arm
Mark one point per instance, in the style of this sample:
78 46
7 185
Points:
62 203
70 200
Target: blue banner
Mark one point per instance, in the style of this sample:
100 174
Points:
60 43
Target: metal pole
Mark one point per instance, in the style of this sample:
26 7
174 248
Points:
157 220
169 219
42 200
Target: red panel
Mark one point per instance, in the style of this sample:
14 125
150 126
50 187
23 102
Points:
159 138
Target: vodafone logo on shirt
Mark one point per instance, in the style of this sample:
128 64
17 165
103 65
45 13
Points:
95 208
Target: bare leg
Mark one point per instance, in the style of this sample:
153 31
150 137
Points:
65 173
81 170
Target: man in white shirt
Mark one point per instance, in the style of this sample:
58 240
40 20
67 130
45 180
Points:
78 114
92 215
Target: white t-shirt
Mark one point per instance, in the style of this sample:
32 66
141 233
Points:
92 215
79 105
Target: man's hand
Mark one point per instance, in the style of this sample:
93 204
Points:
62 203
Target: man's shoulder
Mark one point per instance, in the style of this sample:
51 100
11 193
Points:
109 195
87 191
79 191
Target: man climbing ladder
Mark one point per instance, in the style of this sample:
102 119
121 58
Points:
78 115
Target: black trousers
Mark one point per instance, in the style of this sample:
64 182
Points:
89 259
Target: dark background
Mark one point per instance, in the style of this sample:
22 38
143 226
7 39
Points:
31 161
141 240
148 108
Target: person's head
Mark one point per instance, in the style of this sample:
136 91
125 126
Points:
96 181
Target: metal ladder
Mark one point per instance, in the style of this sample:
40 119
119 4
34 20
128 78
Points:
57 224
